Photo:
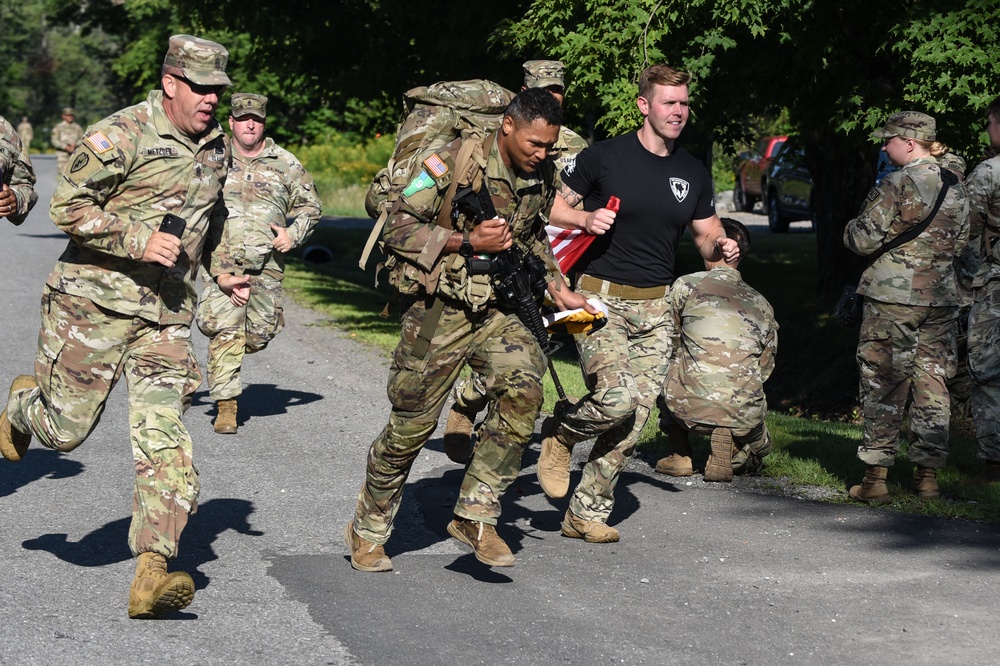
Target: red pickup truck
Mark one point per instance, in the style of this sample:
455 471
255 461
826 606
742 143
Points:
750 168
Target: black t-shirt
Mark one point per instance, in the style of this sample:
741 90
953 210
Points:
659 197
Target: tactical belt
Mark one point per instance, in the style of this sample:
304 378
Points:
622 291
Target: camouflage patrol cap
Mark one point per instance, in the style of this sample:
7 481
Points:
200 61
909 125
953 162
68 111
543 73
248 104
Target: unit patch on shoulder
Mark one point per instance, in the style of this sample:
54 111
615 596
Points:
435 166
421 182
99 143
81 161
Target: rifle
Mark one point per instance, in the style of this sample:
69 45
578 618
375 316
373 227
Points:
518 279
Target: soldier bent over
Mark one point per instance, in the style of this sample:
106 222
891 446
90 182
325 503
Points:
451 317
120 300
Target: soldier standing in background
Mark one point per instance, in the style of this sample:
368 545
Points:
65 137
138 200
266 186
17 177
470 394
983 188
725 339
907 346
26 133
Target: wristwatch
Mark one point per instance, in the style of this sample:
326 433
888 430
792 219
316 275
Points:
466 249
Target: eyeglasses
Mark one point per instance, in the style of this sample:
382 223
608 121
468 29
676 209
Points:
202 89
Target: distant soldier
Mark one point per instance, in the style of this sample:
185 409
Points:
26 132
983 187
907 346
470 394
138 199
725 338
65 137
17 185
266 187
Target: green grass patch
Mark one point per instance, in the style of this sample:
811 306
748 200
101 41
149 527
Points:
815 367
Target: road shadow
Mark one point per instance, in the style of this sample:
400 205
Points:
260 400
109 544
38 463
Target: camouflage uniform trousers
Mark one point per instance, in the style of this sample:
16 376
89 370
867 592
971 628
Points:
235 331
83 350
624 365
984 366
906 352
493 344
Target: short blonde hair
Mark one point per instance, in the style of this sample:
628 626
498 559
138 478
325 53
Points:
663 75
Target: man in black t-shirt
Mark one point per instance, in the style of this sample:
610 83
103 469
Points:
630 265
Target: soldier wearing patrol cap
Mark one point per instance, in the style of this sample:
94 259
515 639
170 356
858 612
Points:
907 347
138 198
470 394
273 207
65 137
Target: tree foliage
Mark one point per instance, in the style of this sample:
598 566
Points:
837 67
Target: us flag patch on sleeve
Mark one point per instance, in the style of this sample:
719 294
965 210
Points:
435 166
98 143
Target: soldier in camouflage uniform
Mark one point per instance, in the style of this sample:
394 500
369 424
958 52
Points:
451 318
470 393
65 137
983 188
663 191
120 301
907 346
17 184
725 339
266 187
26 133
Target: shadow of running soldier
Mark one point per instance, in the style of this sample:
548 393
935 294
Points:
725 341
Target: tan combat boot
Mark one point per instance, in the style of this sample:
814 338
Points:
872 489
225 420
365 555
719 466
154 592
490 548
458 436
677 463
990 474
554 460
925 482
13 442
590 531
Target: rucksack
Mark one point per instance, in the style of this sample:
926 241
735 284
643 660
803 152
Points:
433 116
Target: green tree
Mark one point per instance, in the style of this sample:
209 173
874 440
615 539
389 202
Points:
837 67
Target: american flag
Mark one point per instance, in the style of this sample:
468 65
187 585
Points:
568 245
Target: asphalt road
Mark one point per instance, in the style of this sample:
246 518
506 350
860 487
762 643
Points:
704 574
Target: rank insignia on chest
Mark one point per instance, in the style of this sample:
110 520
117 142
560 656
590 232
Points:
99 143
435 166
421 182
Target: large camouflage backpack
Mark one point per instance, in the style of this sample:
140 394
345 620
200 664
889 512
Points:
432 116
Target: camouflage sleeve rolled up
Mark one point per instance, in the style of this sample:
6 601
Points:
18 173
920 271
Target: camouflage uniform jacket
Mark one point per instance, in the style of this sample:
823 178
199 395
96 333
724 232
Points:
266 189
18 173
725 339
131 169
567 147
983 189
414 239
65 134
921 271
